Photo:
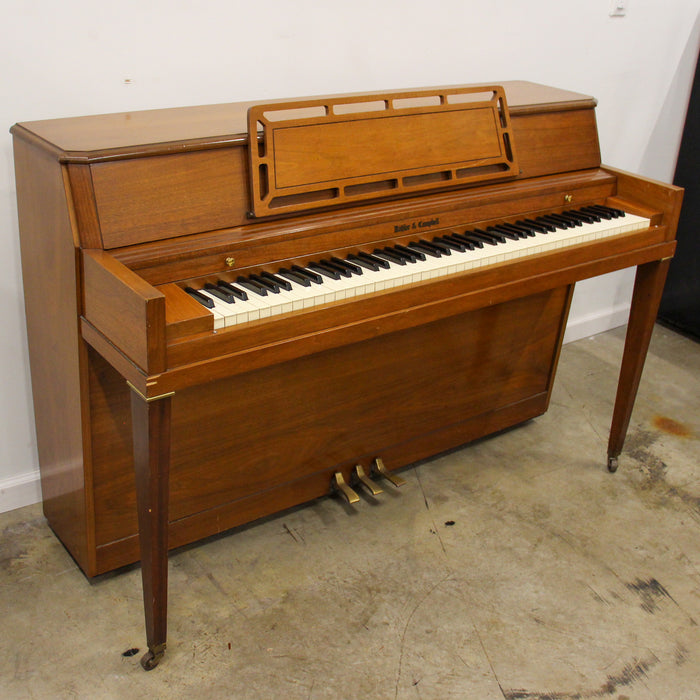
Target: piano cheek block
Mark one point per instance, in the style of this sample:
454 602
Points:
355 244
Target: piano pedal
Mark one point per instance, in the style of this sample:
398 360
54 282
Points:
378 468
360 477
338 485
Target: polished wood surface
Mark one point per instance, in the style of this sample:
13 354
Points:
333 151
119 213
95 137
50 267
648 286
151 450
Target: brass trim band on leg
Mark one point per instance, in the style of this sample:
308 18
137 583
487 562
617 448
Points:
152 398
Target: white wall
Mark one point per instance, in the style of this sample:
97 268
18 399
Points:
81 57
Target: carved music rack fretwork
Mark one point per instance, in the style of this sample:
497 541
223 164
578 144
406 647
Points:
320 152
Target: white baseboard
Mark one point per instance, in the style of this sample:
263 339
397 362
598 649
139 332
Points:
19 491
598 322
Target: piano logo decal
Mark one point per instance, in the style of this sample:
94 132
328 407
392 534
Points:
416 225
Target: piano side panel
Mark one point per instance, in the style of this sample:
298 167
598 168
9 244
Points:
56 353
651 194
125 309
263 441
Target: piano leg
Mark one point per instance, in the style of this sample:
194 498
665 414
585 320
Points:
151 435
648 286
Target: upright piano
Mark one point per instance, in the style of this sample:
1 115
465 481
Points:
234 309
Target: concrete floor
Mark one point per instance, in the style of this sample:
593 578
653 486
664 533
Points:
515 568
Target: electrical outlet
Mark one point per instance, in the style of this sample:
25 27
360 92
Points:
618 8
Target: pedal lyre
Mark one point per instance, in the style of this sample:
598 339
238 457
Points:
379 468
338 485
362 478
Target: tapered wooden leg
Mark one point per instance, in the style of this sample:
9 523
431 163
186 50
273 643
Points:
648 286
151 434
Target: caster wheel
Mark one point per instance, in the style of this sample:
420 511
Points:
150 660
612 464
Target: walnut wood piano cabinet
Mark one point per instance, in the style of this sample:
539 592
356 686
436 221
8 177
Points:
158 426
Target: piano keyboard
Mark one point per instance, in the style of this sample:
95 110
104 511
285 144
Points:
261 295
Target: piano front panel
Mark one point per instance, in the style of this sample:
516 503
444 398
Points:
286 428
576 137
263 243
124 198
147 199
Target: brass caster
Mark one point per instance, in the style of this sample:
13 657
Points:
379 468
338 485
361 478
152 657
612 464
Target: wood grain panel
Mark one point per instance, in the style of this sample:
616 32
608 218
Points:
324 411
172 195
556 142
318 153
125 309
49 263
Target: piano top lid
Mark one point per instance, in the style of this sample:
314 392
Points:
174 130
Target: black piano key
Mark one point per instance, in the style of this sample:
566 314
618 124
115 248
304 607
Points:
203 299
581 216
270 286
474 240
459 240
414 253
568 217
282 283
505 231
470 244
366 263
532 225
427 249
444 249
294 277
547 225
309 274
389 256
590 212
377 261
340 269
490 238
324 270
522 231
458 247
553 222
563 220
238 293
219 293
252 286
354 269
615 213
408 257
602 214
491 235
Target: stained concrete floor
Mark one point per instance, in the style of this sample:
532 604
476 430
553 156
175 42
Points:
515 568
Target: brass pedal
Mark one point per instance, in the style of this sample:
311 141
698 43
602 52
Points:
338 485
362 478
379 468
